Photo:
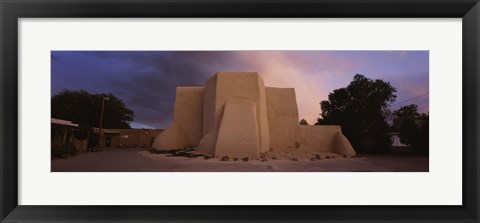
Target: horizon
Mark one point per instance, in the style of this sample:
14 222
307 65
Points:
146 80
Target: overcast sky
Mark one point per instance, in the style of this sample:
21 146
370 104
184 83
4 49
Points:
146 80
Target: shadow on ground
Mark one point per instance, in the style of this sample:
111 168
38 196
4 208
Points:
141 160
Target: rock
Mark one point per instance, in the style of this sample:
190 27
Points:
295 159
327 157
345 156
318 157
274 158
207 157
312 159
245 159
264 159
235 159
225 158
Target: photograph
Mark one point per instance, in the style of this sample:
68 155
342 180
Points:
240 111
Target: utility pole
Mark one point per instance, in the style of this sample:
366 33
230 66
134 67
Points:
101 121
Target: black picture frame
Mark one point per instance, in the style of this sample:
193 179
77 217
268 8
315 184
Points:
11 11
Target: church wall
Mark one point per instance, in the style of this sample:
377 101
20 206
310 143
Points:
282 117
188 112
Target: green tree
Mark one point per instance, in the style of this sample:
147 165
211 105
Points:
361 109
303 122
408 132
407 111
413 128
84 108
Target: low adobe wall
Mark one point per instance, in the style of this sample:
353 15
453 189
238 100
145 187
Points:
324 138
131 138
317 138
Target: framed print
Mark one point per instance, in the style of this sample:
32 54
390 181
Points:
239 111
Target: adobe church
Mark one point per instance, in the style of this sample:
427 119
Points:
235 115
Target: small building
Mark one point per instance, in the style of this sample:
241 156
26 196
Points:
128 138
62 130
397 146
65 133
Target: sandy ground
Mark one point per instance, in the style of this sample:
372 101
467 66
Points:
140 160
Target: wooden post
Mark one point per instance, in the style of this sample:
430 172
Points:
101 122
64 135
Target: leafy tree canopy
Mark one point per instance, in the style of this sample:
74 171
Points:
413 128
407 111
361 109
84 108
303 122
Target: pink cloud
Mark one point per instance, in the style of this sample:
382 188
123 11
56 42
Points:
312 85
339 73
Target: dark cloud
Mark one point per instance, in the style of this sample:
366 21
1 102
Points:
146 80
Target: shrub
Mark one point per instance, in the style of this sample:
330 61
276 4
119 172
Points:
60 150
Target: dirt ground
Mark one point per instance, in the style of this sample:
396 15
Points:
141 160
